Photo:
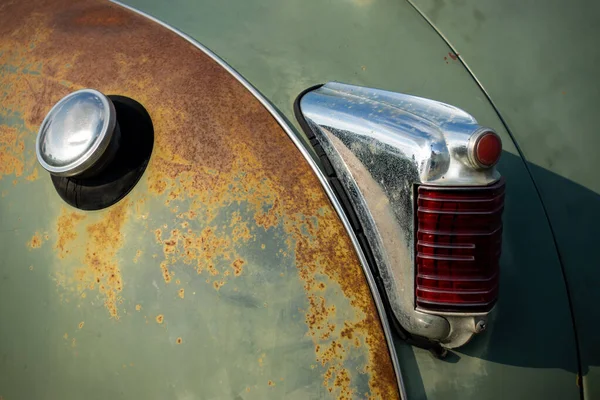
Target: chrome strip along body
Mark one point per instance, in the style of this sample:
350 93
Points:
328 190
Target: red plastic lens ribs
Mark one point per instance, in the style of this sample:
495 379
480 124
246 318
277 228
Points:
459 240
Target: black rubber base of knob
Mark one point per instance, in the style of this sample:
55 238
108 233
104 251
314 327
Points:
126 168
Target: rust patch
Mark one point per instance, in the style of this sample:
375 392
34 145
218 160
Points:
165 272
104 240
179 340
99 17
33 176
66 229
96 254
138 307
244 157
11 152
80 326
238 267
321 256
160 319
181 293
36 241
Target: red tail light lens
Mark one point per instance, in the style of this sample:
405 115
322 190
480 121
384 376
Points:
488 149
459 240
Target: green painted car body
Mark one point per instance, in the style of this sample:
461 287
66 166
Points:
524 67
520 70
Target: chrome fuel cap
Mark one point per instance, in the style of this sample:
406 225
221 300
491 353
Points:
76 133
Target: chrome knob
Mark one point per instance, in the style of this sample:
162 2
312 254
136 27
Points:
79 135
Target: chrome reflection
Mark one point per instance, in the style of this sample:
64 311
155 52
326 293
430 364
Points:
381 144
76 133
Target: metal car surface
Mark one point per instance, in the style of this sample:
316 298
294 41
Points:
284 47
538 63
225 273
281 48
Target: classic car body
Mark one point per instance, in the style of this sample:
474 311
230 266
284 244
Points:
228 271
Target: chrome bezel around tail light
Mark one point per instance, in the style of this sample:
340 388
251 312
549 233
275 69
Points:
382 147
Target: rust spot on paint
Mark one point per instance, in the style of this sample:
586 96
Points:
342 382
179 340
160 318
321 256
104 240
238 267
33 176
11 152
36 241
218 284
453 56
80 326
165 272
271 383
98 17
181 293
66 229
138 307
347 331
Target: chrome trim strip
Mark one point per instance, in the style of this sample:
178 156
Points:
338 208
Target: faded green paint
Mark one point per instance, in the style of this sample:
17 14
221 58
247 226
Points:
538 60
225 273
284 47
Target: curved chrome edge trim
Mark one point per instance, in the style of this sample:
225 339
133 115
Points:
338 208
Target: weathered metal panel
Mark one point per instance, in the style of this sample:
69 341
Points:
538 60
225 273
283 47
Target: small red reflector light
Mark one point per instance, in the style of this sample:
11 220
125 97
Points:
459 240
487 149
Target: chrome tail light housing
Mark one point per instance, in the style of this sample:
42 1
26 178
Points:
424 198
